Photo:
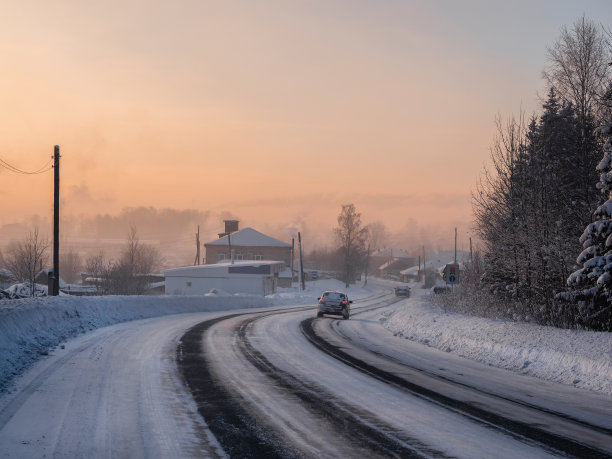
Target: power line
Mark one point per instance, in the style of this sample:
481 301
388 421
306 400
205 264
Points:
46 167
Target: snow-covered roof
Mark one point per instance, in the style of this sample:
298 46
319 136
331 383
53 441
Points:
410 271
391 252
248 237
221 268
387 264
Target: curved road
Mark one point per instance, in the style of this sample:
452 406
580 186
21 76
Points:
364 392
279 383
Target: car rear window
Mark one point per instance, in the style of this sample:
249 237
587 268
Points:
333 296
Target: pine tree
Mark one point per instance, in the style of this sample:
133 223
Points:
591 285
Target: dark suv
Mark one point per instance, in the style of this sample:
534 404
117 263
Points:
334 303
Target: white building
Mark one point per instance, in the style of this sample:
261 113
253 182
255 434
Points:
252 277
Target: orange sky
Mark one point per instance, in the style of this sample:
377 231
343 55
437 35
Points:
270 111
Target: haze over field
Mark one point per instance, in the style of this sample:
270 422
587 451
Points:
274 113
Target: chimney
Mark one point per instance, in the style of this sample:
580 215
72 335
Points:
231 226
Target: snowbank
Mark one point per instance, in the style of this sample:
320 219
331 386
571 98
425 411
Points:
574 357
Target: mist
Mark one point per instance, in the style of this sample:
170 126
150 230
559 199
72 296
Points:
173 231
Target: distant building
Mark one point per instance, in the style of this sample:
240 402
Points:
246 245
258 278
388 263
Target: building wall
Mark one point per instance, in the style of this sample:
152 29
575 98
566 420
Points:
243 253
256 285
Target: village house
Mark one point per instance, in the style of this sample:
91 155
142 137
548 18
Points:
246 245
239 261
388 263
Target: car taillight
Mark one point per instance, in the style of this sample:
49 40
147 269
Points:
343 302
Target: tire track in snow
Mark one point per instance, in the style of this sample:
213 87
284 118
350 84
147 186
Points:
241 434
520 430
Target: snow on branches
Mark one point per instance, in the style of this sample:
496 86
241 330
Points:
591 285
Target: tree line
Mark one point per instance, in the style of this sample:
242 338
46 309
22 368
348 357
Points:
532 204
125 275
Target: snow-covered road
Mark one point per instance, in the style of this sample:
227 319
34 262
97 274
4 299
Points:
266 385
304 402
110 393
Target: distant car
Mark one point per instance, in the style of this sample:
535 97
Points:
402 290
441 288
336 303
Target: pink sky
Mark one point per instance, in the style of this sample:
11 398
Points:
270 111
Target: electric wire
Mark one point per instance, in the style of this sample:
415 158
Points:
46 167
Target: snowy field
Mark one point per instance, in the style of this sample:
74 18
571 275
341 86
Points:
32 328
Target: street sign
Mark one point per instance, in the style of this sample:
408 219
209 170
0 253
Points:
451 273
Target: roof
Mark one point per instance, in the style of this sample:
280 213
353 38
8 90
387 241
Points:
391 252
222 269
410 271
248 237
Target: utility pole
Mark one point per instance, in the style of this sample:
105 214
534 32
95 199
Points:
424 263
56 177
455 245
229 243
471 256
197 260
301 262
292 255
365 282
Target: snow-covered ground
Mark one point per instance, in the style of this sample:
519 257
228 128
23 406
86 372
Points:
33 327
573 357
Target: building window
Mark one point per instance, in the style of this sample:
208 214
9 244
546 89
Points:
249 256
239 256
220 257
259 257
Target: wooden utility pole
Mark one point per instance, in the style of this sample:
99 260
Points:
292 255
229 243
424 263
56 176
455 245
365 282
301 262
197 260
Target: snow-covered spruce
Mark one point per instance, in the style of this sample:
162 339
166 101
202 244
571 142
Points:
591 285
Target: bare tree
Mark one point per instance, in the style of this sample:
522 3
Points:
352 238
376 236
25 258
95 267
498 203
578 67
578 70
136 262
